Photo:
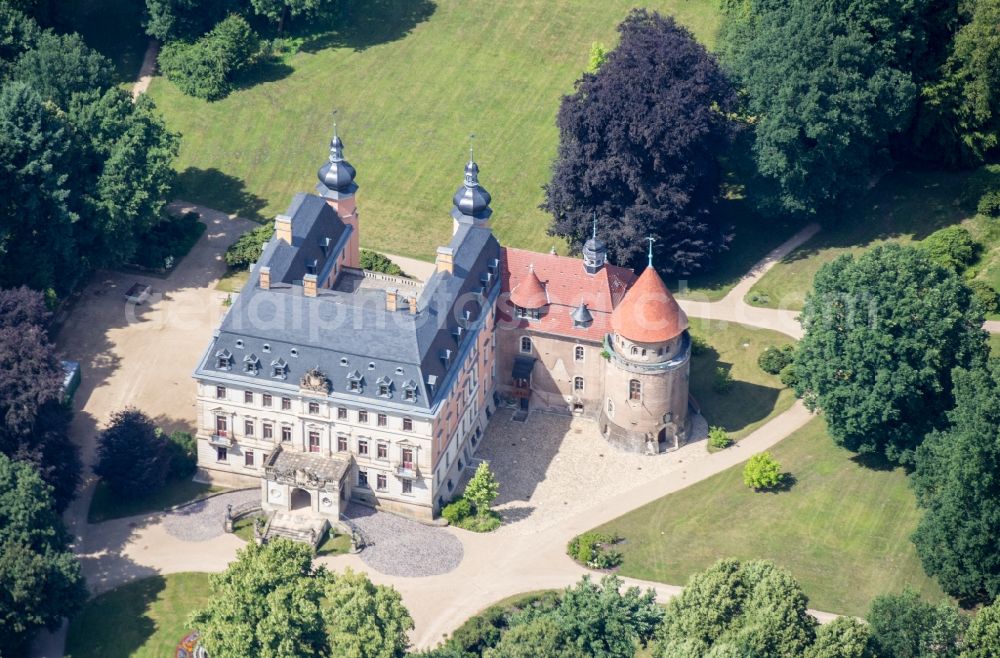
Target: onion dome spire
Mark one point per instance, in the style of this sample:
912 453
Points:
336 176
472 201
595 251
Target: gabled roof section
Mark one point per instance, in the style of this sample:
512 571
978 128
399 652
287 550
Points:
316 230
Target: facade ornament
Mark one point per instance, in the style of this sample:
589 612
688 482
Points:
315 380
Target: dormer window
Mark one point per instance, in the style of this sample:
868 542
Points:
251 364
528 313
279 369
354 381
457 334
446 357
224 360
384 387
409 390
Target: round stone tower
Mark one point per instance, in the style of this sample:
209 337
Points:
646 376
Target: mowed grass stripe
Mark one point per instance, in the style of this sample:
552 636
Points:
406 108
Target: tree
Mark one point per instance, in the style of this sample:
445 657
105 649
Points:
171 20
482 489
844 637
273 602
61 65
539 638
18 33
958 537
208 67
903 626
35 219
365 621
40 579
376 262
133 457
773 359
762 471
824 92
34 420
883 332
982 640
598 55
247 249
278 11
952 247
639 144
739 609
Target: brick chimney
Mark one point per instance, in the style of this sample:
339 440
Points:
265 277
309 285
412 301
391 299
283 228
446 260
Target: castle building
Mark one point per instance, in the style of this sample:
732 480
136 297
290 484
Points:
326 383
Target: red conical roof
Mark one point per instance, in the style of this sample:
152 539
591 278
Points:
529 293
649 313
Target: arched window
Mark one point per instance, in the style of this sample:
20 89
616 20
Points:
634 390
578 384
635 350
525 345
578 353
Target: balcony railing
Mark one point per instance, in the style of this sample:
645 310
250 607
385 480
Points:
220 438
406 470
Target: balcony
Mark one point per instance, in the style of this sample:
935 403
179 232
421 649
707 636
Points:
220 439
407 470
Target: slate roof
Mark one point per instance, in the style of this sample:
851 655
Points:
317 233
567 285
343 332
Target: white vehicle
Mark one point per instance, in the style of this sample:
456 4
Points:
138 293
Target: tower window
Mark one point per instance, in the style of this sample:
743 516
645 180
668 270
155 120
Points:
578 384
525 345
634 390
578 353
611 410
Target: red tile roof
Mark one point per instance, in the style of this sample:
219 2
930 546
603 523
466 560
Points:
529 293
566 285
649 313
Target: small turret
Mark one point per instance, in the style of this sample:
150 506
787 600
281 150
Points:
472 201
595 252
336 176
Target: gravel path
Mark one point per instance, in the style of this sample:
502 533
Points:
204 519
401 547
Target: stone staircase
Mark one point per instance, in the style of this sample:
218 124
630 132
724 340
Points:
297 527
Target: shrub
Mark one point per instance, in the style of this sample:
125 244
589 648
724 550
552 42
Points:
984 296
246 250
207 68
376 262
952 247
762 472
989 204
718 438
132 454
788 376
457 511
481 522
723 380
698 345
773 359
591 549
482 489
183 454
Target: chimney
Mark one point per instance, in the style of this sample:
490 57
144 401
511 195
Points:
283 228
309 285
412 300
446 260
391 299
265 277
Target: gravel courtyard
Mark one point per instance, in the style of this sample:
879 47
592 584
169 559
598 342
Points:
552 467
204 519
402 547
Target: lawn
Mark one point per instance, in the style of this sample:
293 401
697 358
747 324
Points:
904 207
409 81
105 505
843 529
144 619
755 396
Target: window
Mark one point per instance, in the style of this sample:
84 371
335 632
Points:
265 348
314 408
383 390
221 455
221 426
409 394
294 352
279 369
343 361
286 404
578 353
578 384
371 365
381 483
383 420
265 399
239 344
362 416
407 486
341 444
382 451
407 424
220 392
363 446
224 360
635 350
313 441
248 458
521 312
286 433
354 386
525 345
341 413
611 407
267 430
248 427
362 478
248 397
634 390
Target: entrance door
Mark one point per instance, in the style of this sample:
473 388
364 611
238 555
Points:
221 426
301 500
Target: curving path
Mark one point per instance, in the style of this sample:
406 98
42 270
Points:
146 70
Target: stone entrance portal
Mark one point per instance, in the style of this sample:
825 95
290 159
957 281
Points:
300 499
306 483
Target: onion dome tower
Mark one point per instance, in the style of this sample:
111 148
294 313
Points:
471 200
646 376
595 251
336 185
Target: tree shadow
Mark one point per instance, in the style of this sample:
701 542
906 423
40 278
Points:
741 405
874 461
788 480
269 70
360 26
130 606
220 191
